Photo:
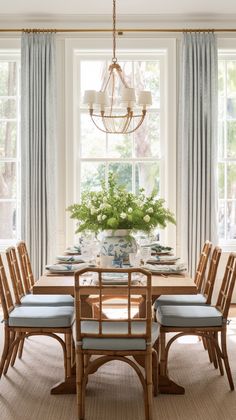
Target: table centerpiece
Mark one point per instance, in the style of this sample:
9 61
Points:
118 213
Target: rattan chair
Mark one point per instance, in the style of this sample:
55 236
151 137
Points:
115 339
203 298
205 321
23 321
20 283
28 299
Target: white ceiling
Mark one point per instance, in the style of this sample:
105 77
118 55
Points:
124 7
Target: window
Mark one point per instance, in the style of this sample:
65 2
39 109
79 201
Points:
227 148
9 148
146 158
136 158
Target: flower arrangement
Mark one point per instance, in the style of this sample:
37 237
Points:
113 207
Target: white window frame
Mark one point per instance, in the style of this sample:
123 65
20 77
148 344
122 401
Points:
149 47
10 51
227 50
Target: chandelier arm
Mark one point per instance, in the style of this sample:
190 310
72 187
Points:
117 116
112 130
122 78
126 124
106 82
96 125
112 93
138 125
105 121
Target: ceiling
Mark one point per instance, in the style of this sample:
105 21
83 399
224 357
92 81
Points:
124 7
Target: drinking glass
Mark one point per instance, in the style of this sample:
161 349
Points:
135 259
145 253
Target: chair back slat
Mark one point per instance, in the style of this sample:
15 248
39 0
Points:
127 291
210 281
202 264
15 274
227 286
5 294
26 269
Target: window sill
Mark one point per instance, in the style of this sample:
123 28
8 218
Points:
4 244
228 247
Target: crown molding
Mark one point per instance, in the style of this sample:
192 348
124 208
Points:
134 20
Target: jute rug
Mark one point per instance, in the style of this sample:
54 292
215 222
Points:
114 393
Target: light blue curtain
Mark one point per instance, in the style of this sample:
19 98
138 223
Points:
38 146
197 145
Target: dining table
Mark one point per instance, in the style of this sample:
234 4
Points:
162 284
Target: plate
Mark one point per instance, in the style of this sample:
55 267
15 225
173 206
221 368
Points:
167 259
65 268
166 269
73 250
69 259
117 279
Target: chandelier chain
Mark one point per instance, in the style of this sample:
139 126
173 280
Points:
114 59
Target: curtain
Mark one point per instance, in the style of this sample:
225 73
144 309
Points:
197 145
38 146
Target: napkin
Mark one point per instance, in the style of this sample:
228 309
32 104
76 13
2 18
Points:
65 268
177 268
70 258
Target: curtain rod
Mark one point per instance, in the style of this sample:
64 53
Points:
119 31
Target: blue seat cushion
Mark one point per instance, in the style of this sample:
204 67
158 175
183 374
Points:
198 299
94 343
189 316
47 300
41 316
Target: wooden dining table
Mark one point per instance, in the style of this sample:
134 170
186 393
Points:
172 284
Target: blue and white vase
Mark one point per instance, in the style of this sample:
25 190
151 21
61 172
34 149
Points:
119 243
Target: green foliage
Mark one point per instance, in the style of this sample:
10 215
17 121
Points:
113 207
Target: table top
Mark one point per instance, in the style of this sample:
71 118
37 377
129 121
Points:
161 285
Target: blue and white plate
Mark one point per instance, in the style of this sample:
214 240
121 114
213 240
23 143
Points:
166 269
66 268
69 259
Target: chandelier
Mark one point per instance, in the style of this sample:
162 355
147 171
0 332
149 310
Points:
112 108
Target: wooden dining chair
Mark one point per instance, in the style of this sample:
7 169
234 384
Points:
25 265
116 338
24 321
205 321
23 294
203 298
28 299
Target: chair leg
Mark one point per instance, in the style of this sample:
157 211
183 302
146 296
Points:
10 352
79 377
155 372
15 350
21 346
218 355
148 368
68 354
212 350
163 361
226 360
5 349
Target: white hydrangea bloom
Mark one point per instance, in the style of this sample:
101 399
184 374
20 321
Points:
123 215
130 210
150 210
104 217
146 218
99 217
